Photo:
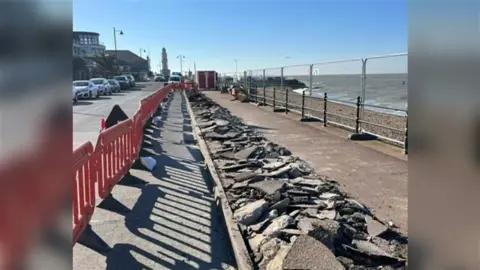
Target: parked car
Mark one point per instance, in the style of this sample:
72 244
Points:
74 94
175 79
115 85
103 86
132 80
124 82
86 89
159 79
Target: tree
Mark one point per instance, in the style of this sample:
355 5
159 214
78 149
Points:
106 62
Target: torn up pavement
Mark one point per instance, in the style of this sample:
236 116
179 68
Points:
291 217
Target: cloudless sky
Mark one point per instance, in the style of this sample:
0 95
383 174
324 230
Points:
258 33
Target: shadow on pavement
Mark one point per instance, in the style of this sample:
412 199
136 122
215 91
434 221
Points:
175 217
82 103
103 98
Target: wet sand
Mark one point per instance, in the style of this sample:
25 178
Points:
340 113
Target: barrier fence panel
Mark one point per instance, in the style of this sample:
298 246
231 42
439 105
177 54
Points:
113 148
271 81
83 188
230 78
137 134
255 84
294 81
342 81
385 87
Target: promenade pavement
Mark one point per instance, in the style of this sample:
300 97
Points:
375 178
170 219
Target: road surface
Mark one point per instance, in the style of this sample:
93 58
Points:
87 114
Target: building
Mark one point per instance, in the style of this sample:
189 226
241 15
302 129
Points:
87 44
129 62
165 71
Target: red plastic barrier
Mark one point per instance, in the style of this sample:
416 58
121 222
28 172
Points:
33 188
114 150
83 188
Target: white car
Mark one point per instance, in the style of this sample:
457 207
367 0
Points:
103 85
175 79
74 94
86 89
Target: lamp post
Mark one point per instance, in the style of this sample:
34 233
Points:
181 57
142 50
115 42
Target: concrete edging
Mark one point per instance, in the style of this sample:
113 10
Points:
240 251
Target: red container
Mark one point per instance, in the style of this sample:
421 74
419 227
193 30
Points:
207 79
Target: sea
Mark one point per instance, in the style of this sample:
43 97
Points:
382 90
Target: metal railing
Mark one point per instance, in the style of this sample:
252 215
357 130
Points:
338 93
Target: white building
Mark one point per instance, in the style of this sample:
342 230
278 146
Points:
87 44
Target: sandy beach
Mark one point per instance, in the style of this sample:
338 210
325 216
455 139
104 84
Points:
340 113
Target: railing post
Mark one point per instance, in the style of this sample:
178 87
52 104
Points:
325 98
405 150
281 79
264 97
286 101
357 118
310 83
274 97
303 104
246 86
363 88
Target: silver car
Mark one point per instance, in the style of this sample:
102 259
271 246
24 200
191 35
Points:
115 85
85 89
103 86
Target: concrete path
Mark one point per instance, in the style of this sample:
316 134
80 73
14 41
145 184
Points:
172 222
88 113
378 180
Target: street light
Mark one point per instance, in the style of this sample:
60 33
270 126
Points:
236 66
181 57
115 41
142 50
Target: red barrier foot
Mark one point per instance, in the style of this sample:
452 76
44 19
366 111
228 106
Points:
90 239
112 204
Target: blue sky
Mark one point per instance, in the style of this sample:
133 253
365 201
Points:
259 34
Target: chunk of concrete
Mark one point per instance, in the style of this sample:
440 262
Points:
246 152
277 262
370 249
250 213
244 176
148 162
327 214
374 227
281 205
274 165
329 196
277 225
221 122
269 187
309 253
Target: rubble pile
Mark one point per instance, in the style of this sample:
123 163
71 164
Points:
291 217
